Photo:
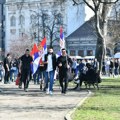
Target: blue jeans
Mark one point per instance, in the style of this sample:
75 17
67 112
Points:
38 75
49 77
13 72
116 71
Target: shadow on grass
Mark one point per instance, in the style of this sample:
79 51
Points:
113 80
98 108
108 89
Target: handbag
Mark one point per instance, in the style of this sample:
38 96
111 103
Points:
17 82
70 76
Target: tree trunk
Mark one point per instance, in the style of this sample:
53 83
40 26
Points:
100 50
100 47
51 37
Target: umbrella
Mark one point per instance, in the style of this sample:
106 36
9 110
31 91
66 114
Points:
117 55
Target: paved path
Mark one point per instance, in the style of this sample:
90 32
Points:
15 104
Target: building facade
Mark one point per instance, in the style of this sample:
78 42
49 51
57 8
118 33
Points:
2 34
82 42
19 14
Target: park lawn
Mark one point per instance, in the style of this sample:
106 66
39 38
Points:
103 105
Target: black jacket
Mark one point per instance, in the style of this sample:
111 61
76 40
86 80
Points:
53 61
64 60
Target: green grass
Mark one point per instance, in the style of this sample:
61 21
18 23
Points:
103 105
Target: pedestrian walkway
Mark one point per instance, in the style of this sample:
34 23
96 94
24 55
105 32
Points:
15 104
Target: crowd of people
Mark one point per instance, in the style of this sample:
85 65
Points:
110 66
46 70
50 68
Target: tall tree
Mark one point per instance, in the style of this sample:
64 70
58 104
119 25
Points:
101 9
113 38
45 24
18 45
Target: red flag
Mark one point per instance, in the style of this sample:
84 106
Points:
34 49
42 47
62 40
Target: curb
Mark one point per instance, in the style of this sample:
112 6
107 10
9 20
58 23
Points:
68 116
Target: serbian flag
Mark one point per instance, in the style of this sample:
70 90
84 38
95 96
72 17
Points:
34 51
42 47
62 40
37 53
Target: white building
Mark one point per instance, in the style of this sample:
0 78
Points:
19 14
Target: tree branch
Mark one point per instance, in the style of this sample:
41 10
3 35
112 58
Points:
90 6
108 2
77 3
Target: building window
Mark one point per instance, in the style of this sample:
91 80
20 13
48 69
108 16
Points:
13 31
13 21
81 53
21 32
21 20
33 19
72 52
89 52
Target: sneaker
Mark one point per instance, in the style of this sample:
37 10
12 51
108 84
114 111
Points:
20 87
26 90
44 89
51 93
62 91
47 91
0 90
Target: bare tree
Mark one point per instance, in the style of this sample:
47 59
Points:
18 45
53 27
113 37
101 9
44 24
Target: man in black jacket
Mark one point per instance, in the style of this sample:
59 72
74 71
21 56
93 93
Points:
50 67
7 68
25 68
63 63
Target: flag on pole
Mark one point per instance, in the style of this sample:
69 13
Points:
37 53
62 40
42 47
34 51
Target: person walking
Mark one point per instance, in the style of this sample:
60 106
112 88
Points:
116 65
96 65
2 71
7 68
63 63
50 67
74 66
24 69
